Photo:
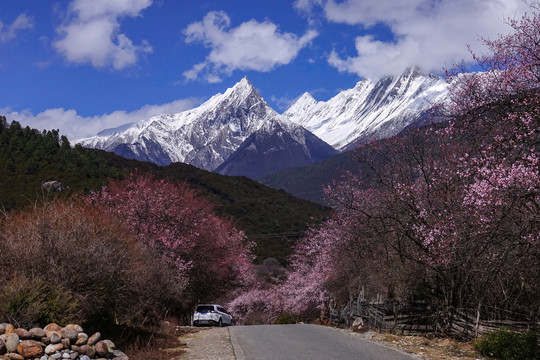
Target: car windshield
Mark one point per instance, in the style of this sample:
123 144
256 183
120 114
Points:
204 308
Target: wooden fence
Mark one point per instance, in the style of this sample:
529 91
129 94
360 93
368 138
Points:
418 318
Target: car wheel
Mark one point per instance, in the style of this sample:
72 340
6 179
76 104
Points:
220 323
232 323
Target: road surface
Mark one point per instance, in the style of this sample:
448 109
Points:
313 342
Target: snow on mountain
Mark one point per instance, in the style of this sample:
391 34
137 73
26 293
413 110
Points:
370 110
204 136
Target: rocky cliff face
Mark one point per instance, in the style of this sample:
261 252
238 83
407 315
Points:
276 146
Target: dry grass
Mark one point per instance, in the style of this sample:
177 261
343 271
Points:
430 349
159 343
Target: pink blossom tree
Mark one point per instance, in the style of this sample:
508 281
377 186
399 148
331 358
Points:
210 254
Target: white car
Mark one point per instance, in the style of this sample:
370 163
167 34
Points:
212 314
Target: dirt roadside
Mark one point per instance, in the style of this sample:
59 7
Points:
207 343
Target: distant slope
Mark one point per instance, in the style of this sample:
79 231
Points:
308 182
273 219
274 147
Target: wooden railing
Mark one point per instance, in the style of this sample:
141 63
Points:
420 318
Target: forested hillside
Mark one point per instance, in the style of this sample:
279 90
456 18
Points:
29 157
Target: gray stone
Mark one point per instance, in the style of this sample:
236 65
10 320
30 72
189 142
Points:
52 348
110 345
75 327
37 333
84 357
69 333
56 356
44 357
54 338
82 338
12 342
119 355
66 356
23 333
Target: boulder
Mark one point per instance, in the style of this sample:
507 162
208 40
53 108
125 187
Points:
101 348
82 338
23 333
52 348
110 345
75 327
92 340
119 355
37 333
53 337
12 342
30 349
9 329
14 356
69 333
88 350
52 327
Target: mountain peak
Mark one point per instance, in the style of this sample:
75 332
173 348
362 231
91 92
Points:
244 83
241 91
307 97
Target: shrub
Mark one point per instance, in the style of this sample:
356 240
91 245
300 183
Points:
30 302
509 345
285 319
66 258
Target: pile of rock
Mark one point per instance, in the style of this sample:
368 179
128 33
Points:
55 342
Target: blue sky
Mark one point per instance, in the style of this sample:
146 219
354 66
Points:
85 65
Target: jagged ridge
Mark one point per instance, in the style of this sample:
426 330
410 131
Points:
371 110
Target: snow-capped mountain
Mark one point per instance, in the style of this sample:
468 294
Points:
371 110
207 135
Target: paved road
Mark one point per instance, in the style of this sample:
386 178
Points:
313 342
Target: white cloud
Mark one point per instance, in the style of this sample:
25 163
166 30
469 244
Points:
93 33
253 45
75 126
428 33
9 31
